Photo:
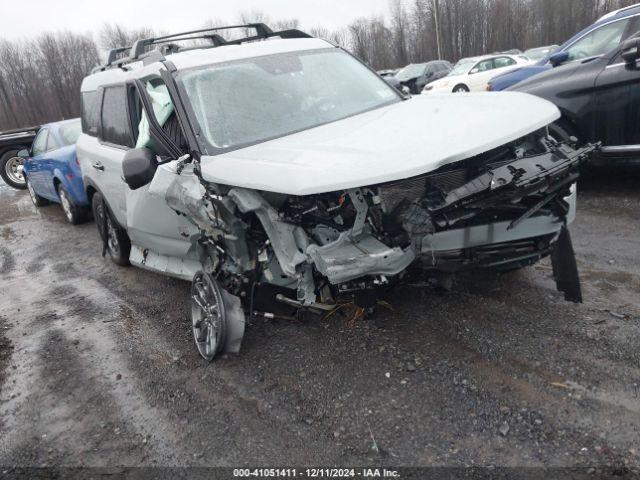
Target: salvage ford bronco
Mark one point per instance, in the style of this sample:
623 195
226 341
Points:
279 170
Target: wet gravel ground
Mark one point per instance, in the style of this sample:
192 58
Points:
98 368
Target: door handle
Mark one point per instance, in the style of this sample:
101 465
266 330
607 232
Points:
98 166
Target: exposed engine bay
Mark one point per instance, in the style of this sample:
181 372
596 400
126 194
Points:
315 252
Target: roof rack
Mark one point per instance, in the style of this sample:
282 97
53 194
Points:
140 50
615 12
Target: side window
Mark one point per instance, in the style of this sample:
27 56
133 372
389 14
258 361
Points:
599 41
502 62
40 143
52 144
483 66
116 128
91 112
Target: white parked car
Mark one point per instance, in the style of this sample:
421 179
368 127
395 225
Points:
285 174
473 74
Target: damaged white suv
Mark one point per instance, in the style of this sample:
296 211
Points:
279 172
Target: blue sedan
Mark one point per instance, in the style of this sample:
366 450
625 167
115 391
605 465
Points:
52 171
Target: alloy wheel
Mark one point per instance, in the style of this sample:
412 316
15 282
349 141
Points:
208 316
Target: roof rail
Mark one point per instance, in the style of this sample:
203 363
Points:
140 49
615 12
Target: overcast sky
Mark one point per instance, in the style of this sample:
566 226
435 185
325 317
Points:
29 17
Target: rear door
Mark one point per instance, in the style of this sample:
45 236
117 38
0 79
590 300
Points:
481 74
115 137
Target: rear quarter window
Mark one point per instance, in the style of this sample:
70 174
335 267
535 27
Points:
91 112
116 125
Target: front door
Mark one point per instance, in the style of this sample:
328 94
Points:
151 224
617 100
35 166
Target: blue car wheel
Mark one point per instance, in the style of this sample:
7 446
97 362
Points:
37 200
75 214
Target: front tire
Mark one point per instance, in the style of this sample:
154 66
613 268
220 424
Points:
208 316
9 163
75 214
460 89
37 200
114 237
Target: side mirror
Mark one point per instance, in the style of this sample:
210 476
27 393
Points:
428 75
24 153
631 50
474 70
558 58
138 167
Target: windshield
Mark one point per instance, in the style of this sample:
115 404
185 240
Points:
462 67
410 71
540 53
253 100
70 132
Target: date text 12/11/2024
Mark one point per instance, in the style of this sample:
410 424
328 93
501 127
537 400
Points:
315 473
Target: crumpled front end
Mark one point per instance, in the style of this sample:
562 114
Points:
502 209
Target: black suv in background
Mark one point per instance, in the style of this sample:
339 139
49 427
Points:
599 98
416 75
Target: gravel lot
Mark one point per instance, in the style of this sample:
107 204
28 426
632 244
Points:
98 368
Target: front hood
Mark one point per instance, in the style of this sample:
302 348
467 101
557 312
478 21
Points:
398 141
552 76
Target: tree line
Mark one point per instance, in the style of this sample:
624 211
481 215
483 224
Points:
40 77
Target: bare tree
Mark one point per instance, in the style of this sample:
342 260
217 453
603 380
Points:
116 36
40 79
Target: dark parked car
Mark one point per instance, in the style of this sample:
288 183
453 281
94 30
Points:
597 39
416 75
599 98
11 142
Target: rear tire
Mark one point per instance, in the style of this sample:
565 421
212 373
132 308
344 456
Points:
75 214
9 161
37 200
118 244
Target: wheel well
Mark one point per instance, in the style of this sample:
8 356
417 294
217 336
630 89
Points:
460 85
90 193
570 126
12 148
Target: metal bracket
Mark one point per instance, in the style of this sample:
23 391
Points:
362 208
